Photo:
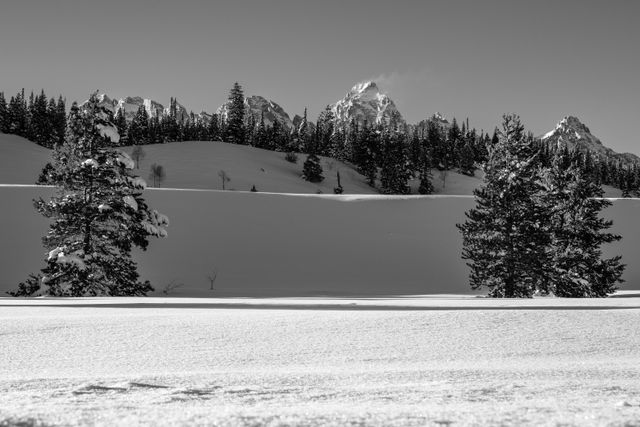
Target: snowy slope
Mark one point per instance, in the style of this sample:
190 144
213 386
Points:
21 161
197 164
285 245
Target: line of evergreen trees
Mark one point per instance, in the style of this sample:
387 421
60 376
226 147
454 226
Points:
389 154
38 119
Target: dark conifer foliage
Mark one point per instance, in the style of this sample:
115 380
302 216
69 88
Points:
503 237
235 127
99 216
394 171
577 231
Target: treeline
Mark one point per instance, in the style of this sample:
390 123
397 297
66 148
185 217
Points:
41 120
389 154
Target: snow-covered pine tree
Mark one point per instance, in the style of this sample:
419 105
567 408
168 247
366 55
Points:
504 237
98 215
235 129
577 230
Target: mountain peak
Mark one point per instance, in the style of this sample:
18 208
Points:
570 131
365 102
570 128
364 87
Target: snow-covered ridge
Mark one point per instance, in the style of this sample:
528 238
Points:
365 102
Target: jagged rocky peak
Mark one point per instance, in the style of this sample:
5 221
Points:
365 102
571 128
130 105
570 131
257 105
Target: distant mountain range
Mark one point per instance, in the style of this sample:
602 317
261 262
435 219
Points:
365 102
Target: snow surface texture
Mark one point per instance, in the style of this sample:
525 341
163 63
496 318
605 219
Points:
442 362
281 245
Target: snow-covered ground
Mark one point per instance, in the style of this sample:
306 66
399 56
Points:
286 245
441 360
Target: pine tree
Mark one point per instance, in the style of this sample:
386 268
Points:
467 163
214 129
122 126
312 170
4 114
503 237
138 133
235 131
425 164
261 138
577 229
60 121
99 216
303 135
366 154
395 169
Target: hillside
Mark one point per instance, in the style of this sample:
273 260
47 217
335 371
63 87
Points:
197 164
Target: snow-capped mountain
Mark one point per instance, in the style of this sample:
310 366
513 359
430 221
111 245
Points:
572 132
131 104
365 102
257 105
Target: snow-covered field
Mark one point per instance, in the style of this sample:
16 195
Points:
411 361
285 245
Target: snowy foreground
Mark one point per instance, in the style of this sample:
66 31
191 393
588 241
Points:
440 360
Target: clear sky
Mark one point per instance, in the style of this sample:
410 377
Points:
540 59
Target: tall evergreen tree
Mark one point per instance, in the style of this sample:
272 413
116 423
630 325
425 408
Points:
214 129
395 170
503 237
235 131
99 215
577 230
261 138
